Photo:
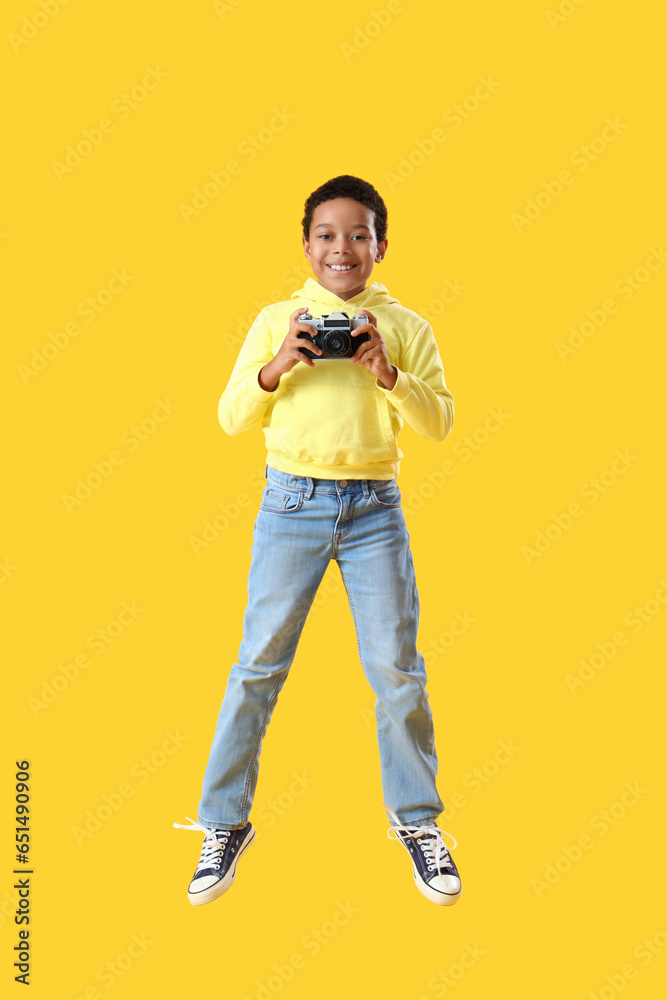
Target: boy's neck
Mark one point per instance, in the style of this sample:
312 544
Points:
343 295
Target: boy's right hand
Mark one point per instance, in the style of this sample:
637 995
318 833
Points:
289 353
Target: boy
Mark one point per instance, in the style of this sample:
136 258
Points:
331 430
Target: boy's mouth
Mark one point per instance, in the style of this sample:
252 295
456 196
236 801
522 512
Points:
340 268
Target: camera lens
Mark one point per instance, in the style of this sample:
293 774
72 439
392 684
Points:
336 342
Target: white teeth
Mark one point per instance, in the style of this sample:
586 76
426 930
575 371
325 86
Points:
341 267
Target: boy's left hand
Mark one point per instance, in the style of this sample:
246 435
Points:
372 354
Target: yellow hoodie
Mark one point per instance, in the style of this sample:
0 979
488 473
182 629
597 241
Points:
335 420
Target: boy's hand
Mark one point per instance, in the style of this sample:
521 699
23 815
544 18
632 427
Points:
372 354
289 353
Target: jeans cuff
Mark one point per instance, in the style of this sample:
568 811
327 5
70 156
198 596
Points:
218 825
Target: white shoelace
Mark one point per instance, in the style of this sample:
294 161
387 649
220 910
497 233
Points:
432 845
211 851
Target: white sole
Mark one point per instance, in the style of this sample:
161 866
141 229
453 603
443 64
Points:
208 895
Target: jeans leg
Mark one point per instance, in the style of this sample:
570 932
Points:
289 558
378 572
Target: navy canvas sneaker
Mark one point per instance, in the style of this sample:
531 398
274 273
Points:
435 874
220 855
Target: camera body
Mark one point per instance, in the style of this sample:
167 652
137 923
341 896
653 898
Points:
334 335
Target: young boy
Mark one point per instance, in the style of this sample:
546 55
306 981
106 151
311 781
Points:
331 429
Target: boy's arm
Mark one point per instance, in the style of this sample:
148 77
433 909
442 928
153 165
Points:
246 397
243 402
420 394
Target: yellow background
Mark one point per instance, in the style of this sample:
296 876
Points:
361 99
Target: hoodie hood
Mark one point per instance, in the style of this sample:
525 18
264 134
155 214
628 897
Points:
372 297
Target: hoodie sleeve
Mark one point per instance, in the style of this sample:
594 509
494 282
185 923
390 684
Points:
243 402
420 394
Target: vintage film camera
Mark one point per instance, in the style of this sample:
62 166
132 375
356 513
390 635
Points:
334 335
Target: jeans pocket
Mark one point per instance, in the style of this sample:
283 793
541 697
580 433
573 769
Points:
388 495
280 499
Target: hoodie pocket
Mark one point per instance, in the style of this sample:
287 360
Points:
331 425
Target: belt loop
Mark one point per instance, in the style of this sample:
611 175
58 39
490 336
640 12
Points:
266 471
309 487
366 488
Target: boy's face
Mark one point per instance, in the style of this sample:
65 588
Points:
342 246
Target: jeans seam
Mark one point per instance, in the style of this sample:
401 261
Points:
272 700
260 737
334 537
352 609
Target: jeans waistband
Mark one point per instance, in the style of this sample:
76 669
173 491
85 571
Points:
312 485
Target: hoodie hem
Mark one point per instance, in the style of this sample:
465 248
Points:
378 470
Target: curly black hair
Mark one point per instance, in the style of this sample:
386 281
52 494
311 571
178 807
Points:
347 186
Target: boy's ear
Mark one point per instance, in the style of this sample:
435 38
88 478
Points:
306 246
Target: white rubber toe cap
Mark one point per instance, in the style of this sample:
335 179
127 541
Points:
202 884
444 890
449 884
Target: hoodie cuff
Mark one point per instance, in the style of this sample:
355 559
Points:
255 390
401 387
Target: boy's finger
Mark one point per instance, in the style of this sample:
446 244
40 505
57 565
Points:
368 345
371 321
306 360
304 357
306 328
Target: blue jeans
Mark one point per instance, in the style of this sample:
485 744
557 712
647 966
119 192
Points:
301 525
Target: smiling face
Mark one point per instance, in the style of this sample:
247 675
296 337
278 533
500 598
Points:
342 246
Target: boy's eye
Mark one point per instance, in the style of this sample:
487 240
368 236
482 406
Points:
357 236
